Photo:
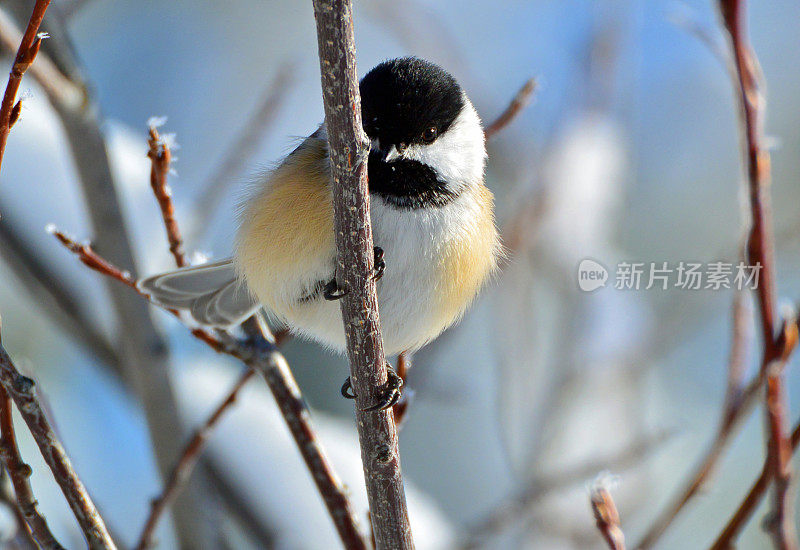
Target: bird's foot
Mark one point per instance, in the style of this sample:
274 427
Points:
332 292
379 265
390 392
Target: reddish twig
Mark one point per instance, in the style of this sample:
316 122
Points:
19 473
760 243
761 251
261 355
94 261
181 472
160 158
754 496
519 504
606 516
28 48
742 315
189 457
779 455
349 150
738 403
520 101
401 408
21 390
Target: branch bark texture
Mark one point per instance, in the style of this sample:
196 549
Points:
21 390
19 474
761 250
349 149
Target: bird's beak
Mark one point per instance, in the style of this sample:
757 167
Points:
386 155
391 154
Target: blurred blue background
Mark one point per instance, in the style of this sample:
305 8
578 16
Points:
630 152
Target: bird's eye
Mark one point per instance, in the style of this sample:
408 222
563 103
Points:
430 134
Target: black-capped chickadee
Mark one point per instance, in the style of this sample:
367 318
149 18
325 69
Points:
432 219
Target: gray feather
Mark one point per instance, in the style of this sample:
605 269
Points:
211 293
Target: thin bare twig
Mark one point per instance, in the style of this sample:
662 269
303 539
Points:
160 158
520 101
94 261
45 283
738 403
260 354
143 352
519 504
349 149
241 150
23 540
761 252
760 243
47 75
19 473
779 451
606 516
189 457
21 390
751 501
28 48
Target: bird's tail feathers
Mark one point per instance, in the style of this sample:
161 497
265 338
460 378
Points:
211 293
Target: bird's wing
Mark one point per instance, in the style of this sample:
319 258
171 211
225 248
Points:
211 293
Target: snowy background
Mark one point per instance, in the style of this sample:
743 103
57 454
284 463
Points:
630 152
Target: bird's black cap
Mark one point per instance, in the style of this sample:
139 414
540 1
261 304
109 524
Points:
401 98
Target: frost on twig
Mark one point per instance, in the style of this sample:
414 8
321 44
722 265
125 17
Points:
605 511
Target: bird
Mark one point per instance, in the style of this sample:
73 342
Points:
432 220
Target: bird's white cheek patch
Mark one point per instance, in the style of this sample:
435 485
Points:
459 154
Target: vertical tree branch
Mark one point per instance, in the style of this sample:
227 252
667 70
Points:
760 245
349 148
21 390
779 449
761 251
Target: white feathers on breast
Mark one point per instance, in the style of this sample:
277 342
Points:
414 242
408 293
